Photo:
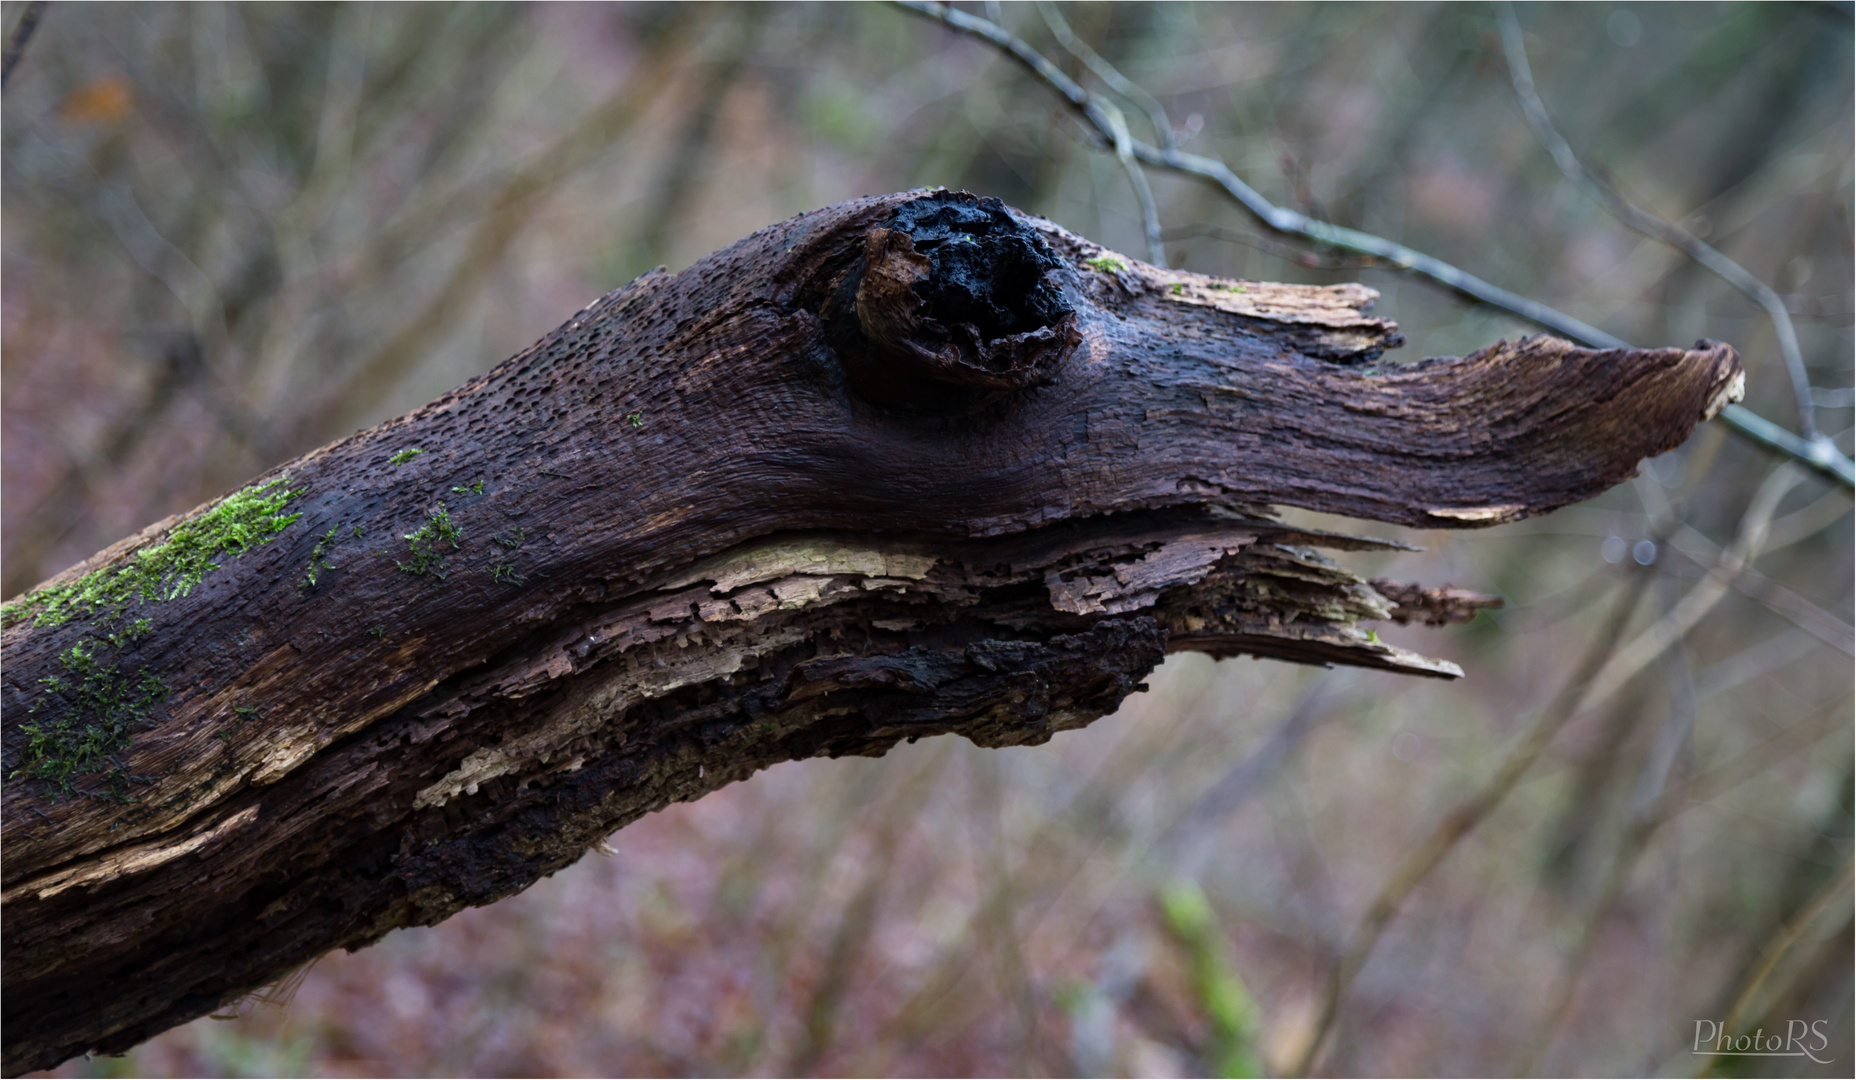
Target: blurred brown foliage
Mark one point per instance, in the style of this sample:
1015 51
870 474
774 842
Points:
234 232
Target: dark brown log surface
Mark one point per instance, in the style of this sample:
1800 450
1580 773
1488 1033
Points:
904 466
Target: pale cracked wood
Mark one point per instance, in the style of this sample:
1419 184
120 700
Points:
771 507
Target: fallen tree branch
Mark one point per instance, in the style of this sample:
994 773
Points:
900 467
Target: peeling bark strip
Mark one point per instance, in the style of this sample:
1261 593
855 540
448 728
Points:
903 466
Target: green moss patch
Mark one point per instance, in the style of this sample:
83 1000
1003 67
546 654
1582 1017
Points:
97 711
172 566
401 457
1108 264
131 633
319 560
424 543
84 718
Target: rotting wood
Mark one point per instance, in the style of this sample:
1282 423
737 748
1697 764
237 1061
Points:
900 467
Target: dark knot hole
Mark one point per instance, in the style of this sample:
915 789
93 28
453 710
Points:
953 305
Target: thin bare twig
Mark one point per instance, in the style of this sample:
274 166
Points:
22 33
1137 179
1107 72
1124 148
1769 594
1118 135
1818 455
1654 227
1701 599
1313 260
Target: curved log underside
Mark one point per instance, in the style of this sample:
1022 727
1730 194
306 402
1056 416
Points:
899 467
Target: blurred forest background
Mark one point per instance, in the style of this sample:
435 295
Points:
235 232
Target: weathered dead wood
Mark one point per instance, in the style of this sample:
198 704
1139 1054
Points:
904 466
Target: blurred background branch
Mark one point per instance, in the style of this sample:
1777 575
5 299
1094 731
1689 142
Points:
234 232
22 33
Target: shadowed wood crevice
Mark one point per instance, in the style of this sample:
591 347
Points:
900 467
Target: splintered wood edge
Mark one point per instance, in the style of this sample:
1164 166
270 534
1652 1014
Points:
1337 313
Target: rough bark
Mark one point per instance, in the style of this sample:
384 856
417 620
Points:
904 466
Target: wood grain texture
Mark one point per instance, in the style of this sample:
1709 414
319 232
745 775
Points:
807 497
